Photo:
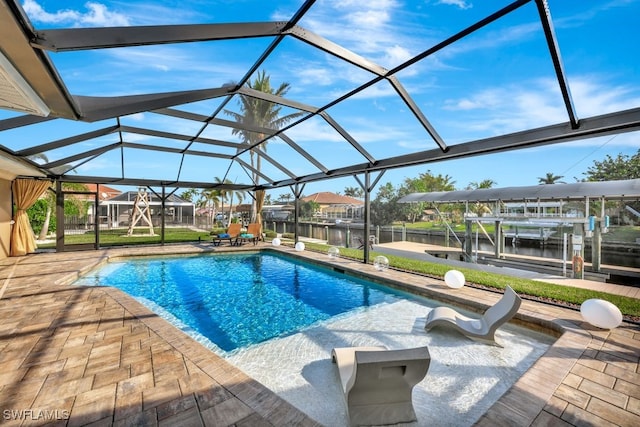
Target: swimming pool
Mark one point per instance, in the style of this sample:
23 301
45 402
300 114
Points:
236 300
465 377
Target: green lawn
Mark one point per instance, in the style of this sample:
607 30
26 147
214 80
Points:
548 291
119 237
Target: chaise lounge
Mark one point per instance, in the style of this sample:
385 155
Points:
253 234
482 329
378 383
231 235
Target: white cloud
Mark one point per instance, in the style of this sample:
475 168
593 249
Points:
462 4
138 117
97 14
488 98
369 18
314 130
316 75
532 104
397 54
366 28
593 98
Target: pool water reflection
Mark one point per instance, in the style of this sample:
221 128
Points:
237 300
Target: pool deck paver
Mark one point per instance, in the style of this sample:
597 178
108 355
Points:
95 356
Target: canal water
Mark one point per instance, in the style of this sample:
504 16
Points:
353 235
552 250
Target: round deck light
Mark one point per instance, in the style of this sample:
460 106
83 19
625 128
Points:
601 313
454 279
299 246
276 242
380 263
333 252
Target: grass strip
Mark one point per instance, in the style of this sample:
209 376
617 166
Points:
551 292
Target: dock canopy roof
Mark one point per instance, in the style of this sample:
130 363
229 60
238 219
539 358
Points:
617 190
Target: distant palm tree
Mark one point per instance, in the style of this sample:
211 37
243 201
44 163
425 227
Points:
210 199
481 208
189 195
485 183
284 197
550 178
356 192
229 194
257 112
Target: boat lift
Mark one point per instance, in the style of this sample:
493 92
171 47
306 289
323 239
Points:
584 224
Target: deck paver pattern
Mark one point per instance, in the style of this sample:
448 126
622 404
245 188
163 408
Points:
95 356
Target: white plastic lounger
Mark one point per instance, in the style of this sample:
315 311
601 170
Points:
378 383
482 329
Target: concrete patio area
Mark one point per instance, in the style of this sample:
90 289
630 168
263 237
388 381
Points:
95 356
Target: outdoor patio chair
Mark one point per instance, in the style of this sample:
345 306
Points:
482 329
231 235
361 242
253 234
378 383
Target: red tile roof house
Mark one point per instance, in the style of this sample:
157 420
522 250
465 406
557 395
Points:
334 205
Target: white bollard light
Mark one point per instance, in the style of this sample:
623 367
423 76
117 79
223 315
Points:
601 313
380 263
454 279
299 246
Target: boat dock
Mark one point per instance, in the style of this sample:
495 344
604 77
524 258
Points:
524 268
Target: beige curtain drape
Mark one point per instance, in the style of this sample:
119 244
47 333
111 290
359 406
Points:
260 194
25 194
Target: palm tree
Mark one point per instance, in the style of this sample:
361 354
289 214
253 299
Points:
356 192
230 194
481 208
485 183
285 197
550 178
256 112
189 195
209 198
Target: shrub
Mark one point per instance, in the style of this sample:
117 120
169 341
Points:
37 213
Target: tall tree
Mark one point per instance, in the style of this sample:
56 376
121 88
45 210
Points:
309 208
610 169
210 199
615 168
480 208
384 208
230 194
425 183
485 183
550 178
257 112
189 195
356 192
285 197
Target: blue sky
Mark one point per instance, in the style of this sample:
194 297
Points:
495 82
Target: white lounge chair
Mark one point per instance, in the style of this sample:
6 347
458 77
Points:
482 329
378 383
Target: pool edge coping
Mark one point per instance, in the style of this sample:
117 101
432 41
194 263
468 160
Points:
571 338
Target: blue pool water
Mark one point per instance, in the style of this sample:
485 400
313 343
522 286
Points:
237 300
